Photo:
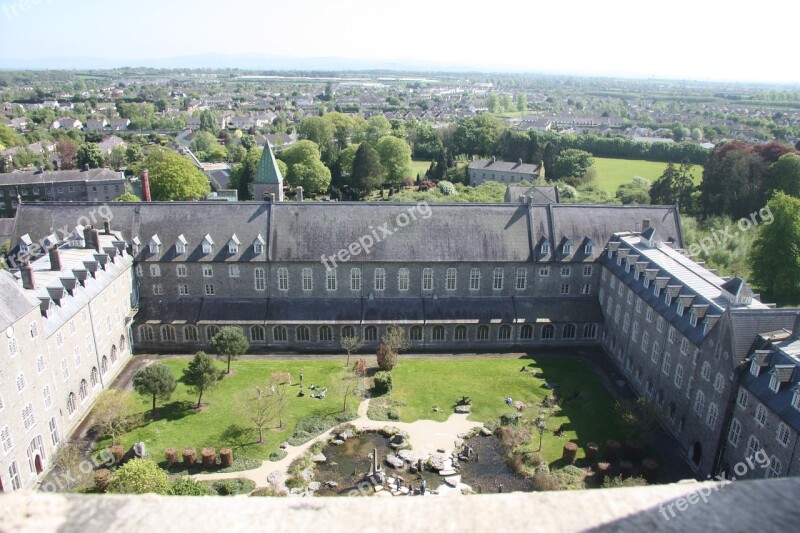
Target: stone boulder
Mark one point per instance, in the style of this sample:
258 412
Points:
284 445
394 461
463 409
520 406
486 432
319 458
307 475
438 460
406 455
453 481
314 486
331 484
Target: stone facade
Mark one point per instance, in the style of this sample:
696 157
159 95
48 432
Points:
483 170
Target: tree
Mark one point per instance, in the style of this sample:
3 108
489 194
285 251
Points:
541 422
201 374
367 171
492 103
113 413
260 408
674 186
133 155
396 339
9 137
230 342
395 156
351 344
387 358
174 177
477 135
116 159
89 154
784 175
312 175
68 151
245 172
634 192
347 383
155 380
522 102
775 255
377 127
279 387
639 415
209 122
506 103
127 197
572 166
203 142
140 476
184 486
68 461
318 130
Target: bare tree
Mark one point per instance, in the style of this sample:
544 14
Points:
259 408
279 388
541 422
348 384
350 345
113 413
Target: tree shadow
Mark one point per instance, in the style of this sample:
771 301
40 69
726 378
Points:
237 437
169 411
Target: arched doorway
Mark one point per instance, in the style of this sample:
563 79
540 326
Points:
37 461
697 453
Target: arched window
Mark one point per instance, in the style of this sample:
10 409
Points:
83 390
371 333
190 333
303 333
416 333
167 335
526 332
279 334
93 377
461 333
145 333
505 332
325 333
114 349
348 331
257 333
122 343
211 332
71 403
568 332
438 333
548 332
104 365
483 333
590 332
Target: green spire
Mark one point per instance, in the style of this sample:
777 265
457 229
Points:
268 171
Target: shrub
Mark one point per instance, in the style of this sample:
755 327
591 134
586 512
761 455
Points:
446 188
513 436
385 408
270 492
387 359
592 451
464 400
118 452
171 455
277 455
189 456
311 426
619 481
184 486
209 456
570 452
232 487
102 479
226 457
544 481
383 383
139 476
360 367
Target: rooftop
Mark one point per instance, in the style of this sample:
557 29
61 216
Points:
35 177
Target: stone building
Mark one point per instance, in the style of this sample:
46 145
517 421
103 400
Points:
483 170
268 182
65 319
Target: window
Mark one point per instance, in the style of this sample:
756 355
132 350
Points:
355 279
752 446
548 332
735 432
775 468
567 248
761 415
233 270
656 352
649 314
679 376
504 333
742 398
308 279
684 346
544 271
5 436
83 390
279 334
40 364
545 248
671 335
283 279
679 309
705 372
522 279
71 403
59 342
233 247
64 369
180 271
754 367
635 332
20 382
145 333
774 384
626 323
208 271
568 332
349 331
645 341
34 329
167 334
371 333
526 332
183 289
795 400
402 279
380 279
498 279
330 279
475 279
587 270
461 333
258 248
416 333
783 434
139 271
639 304
427 279
438 333
13 473
719 383
209 289
158 289
450 280
94 377
325 333
27 416
666 365
693 319
564 289
155 271
699 402
483 333
303 333
54 431
257 334
711 417
565 272
660 325
104 366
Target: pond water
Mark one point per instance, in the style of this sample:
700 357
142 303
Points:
348 463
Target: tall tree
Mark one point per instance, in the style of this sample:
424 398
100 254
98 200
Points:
351 344
68 151
202 374
395 155
89 154
492 103
305 167
230 342
377 127
174 177
367 171
318 130
573 166
522 102
113 413
775 255
784 175
155 380
259 407
674 186
209 122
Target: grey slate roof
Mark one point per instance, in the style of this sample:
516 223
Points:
503 166
538 194
32 177
15 302
555 309
785 354
6 228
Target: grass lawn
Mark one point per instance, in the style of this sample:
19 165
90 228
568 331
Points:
419 167
220 423
425 384
611 173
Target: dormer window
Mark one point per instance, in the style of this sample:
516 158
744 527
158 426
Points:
667 299
680 310
233 245
656 290
646 282
796 399
155 244
567 248
619 259
258 245
755 368
588 249
208 244
636 275
180 245
545 248
627 267
774 383
693 319
135 245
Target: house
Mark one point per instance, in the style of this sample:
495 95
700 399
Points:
96 124
483 170
66 123
109 143
18 123
119 124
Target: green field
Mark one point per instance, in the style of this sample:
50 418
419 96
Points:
611 173
419 167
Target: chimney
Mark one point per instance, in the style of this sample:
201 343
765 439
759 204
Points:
645 225
146 186
96 240
299 194
494 159
519 161
57 164
106 227
87 236
86 167
55 259
27 276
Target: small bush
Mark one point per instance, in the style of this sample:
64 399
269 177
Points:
383 383
189 457
209 456
118 452
619 481
464 400
387 358
277 455
184 486
102 479
570 452
360 367
139 476
543 481
513 436
233 487
226 457
311 426
171 455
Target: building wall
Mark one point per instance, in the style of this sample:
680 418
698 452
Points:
479 176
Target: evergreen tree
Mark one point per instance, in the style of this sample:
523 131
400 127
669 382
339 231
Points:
775 256
367 171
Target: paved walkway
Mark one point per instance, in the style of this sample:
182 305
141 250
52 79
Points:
425 437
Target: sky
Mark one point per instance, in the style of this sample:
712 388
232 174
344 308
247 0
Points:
686 39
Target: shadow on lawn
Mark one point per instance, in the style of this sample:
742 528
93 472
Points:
169 411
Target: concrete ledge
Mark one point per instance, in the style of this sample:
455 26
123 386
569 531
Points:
764 505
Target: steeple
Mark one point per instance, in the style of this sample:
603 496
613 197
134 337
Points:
268 179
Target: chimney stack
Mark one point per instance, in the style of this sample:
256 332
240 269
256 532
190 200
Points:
96 240
299 194
645 225
86 167
27 276
106 227
146 186
519 161
55 259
